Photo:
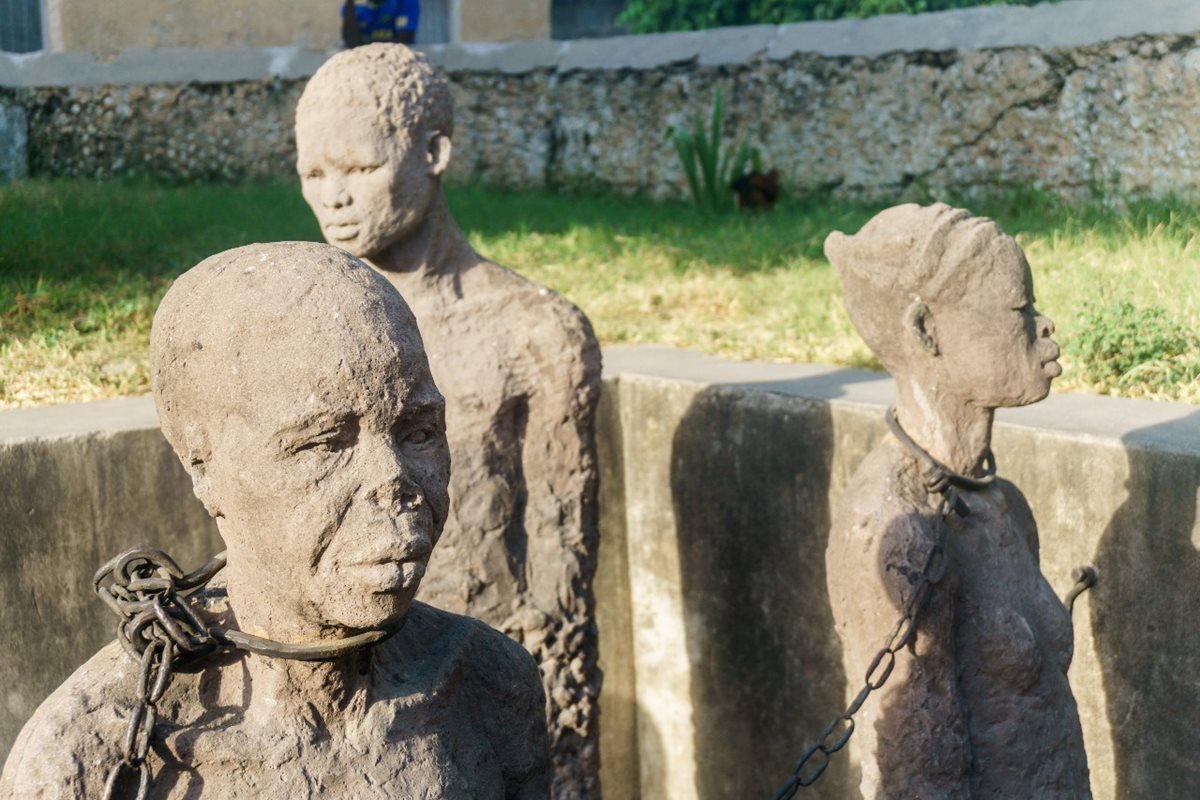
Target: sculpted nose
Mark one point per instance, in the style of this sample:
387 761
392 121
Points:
394 491
1045 327
336 194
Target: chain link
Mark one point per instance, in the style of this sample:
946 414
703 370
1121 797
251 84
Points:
1085 578
938 479
143 587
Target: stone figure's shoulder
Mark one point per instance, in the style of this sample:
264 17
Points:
494 683
466 652
1020 512
541 307
1014 498
885 488
67 747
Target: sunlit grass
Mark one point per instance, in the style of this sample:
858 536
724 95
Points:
83 265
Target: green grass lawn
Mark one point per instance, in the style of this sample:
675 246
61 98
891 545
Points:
83 265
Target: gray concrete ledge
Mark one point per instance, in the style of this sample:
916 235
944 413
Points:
45 423
1137 424
1071 23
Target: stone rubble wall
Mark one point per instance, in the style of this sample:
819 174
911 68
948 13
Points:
1073 97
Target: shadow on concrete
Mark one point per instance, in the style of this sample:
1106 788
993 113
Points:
750 481
1147 639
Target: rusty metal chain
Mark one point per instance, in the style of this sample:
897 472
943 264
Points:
146 589
160 629
1085 578
938 479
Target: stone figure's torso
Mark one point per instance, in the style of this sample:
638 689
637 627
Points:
520 370
983 703
1014 644
454 711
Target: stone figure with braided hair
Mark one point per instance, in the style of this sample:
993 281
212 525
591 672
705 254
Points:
979 704
293 385
518 365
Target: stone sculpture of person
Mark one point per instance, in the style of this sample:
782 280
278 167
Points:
518 364
978 704
292 383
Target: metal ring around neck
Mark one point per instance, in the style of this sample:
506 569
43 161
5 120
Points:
304 651
178 584
938 477
301 651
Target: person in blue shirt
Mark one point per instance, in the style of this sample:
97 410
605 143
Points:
379 21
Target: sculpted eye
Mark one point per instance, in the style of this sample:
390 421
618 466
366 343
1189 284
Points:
363 169
325 445
420 436
313 174
332 439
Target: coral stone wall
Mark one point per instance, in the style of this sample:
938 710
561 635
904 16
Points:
1074 97
179 131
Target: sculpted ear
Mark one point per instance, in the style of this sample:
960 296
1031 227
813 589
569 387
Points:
918 321
438 155
196 456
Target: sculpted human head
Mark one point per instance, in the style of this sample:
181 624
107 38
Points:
945 299
292 382
373 130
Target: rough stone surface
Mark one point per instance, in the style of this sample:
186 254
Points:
188 131
519 366
980 706
1117 116
291 382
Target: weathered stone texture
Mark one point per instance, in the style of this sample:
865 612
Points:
1117 116
190 131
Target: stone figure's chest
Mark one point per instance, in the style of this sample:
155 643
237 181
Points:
1008 611
363 763
475 365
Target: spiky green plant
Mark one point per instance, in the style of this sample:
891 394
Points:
709 166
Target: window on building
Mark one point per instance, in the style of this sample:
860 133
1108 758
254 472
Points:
585 19
20 25
434 27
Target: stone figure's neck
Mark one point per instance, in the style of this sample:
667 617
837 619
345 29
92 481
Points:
953 431
281 686
312 694
436 250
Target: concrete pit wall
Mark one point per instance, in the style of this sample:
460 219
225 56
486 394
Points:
1074 97
716 632
79 484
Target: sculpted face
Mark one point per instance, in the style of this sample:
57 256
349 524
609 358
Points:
332 484
995 346
368 186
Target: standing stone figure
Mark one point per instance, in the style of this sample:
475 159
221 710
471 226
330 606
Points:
979 704
519 366
291 381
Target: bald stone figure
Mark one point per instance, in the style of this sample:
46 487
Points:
979 706
291 381
519 366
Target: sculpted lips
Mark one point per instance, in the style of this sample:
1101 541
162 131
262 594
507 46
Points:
342 231
393 576
392 569
1050 364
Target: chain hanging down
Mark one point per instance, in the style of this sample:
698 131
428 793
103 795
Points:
160 629
938 479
